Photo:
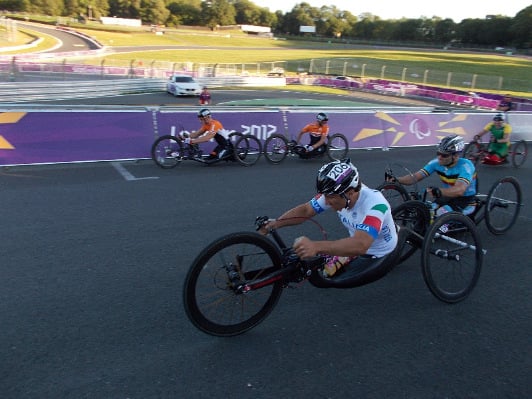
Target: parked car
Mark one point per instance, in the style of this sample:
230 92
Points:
183 85
277 71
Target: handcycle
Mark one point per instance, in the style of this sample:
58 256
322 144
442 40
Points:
236 281
499 208
476 151
169 151
277 147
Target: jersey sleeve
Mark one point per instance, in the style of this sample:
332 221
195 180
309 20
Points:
318 203
373 220
488 126
429 168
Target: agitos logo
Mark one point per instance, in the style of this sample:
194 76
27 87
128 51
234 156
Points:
405 125
8 118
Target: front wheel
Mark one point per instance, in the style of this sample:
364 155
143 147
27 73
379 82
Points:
276 148
211 297
473 151
167 151
452 257
247 150
337 147
503 204
394 193
519 153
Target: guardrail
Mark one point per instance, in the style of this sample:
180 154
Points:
15 92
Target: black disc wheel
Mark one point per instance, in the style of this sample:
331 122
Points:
519 152
503 204
214 299
452 256
394 193
167 152
337 147
276 148
412 219
247 150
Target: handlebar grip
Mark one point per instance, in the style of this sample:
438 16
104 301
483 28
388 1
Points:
260 221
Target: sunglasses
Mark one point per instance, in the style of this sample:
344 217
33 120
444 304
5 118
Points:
441 154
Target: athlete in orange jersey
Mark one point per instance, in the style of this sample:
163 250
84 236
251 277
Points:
318 132
210 128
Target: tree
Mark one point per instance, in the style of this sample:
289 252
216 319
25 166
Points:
444 30
124 8
153 11
15 5
521 28
184 12
217 12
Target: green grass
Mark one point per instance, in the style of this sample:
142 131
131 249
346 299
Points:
234 47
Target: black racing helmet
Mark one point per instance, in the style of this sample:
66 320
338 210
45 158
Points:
322 117
451 144
337 177
204 112
498 117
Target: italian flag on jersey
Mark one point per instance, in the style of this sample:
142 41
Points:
374 219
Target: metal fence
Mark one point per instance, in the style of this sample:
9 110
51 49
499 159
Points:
429 77
16 70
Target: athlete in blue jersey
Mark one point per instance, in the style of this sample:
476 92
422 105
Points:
457 174
364 212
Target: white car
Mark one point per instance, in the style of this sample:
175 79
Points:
183 85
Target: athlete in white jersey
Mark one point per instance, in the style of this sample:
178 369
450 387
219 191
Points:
364 212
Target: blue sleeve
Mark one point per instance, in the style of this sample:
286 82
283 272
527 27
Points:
318 203
430 167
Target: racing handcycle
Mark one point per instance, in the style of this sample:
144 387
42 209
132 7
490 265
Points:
499 208
477 151
277 147
236 281
168 151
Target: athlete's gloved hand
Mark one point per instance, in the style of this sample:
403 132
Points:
309 148
435 191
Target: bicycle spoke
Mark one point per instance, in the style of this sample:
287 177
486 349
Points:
213 295
452 257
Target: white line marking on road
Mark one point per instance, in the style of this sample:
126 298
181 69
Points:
128 176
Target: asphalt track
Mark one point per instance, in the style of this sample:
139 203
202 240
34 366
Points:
94 257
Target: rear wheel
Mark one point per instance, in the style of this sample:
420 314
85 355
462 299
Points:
519 153
211 295
276 148
337 147
167 152
247 150
503 204
452 257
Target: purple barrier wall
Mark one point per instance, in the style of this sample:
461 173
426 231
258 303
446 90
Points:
52 137
77 136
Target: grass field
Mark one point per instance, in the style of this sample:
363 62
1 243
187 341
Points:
205 47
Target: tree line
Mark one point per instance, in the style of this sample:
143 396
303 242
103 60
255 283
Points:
329 21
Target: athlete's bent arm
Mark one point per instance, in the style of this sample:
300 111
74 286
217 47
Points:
349 246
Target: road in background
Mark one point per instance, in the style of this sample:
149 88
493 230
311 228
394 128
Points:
93 265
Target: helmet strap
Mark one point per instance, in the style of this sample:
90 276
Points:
347 200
